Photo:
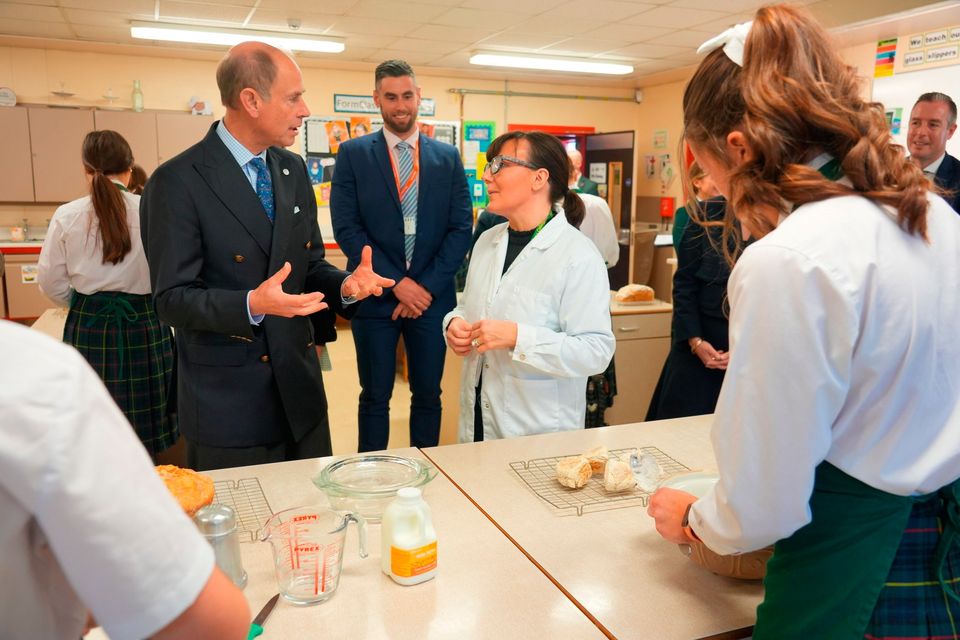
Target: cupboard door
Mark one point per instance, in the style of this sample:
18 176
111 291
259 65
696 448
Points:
16 165
24 298
56 135
178 132
139 130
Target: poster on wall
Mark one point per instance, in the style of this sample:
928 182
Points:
894 119
477 136
886 56
660 139
348 103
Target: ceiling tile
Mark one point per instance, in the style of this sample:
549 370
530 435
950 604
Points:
609 10
647 50
367 26
370 42
529 7
49 3
296 7
719 26
556 25
675 17
190 11
104 33
520 40
279 19
78 17
450 34
494 20
413 58
733 6
436 47
685 38
28 12
355 53
119 6
36 29
583 46
628 32
389 10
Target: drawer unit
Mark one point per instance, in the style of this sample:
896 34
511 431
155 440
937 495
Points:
643 342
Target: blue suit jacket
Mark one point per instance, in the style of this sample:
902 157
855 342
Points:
365 208
948 177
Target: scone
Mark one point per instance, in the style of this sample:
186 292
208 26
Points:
191 489
618 476
574 471
634 293
598 458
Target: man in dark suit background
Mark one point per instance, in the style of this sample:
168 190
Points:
216 222
579 182
933 121
406 195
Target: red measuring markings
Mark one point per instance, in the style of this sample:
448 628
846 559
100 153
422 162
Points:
305 518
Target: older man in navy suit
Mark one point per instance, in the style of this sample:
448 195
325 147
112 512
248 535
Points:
933 121
405 195
237 268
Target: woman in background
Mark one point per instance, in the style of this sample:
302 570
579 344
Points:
138 180
534 319
837 433
703 188
92 261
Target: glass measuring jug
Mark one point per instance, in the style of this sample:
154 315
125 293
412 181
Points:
307 547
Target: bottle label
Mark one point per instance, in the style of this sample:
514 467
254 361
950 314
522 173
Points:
407 563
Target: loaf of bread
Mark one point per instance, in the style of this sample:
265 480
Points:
634 293
574 471
598 458
617 476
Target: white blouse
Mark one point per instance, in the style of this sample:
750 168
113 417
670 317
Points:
72 255
845 347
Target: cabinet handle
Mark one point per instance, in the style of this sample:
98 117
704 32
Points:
628 329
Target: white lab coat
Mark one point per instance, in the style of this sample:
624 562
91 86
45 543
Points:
557 292
598 225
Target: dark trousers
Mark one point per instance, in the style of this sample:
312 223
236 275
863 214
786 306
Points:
376 341
315 444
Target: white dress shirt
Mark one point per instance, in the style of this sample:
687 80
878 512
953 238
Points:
844 347
393 140
557 291
598 225
932 168
72 254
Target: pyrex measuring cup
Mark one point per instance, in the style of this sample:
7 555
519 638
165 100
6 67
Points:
308 550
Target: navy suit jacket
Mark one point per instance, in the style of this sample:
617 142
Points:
365 208
948 177
208 242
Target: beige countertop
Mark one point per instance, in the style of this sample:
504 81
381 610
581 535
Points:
485 587
657 306
612 562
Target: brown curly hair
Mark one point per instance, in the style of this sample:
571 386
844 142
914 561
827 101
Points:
795 96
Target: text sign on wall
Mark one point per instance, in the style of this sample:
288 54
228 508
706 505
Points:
346 103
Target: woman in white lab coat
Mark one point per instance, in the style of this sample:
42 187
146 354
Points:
534 320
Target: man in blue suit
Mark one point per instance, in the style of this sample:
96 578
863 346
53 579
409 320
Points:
405 195
933 121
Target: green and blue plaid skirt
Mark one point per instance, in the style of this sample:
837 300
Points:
913 604
121 337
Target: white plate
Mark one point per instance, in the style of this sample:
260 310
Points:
696 482
637 303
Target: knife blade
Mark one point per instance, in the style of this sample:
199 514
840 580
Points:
257 627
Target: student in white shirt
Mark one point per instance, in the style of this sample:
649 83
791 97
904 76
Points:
92 260
837 431
87 527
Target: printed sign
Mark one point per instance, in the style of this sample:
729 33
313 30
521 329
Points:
935 38
914 58
28 274
660 139
916 41
598 172
943 53
346 103
955 34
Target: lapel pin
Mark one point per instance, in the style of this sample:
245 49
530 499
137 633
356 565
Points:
286 172
296 209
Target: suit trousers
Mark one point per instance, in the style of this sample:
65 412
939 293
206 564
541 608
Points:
314 444
376 341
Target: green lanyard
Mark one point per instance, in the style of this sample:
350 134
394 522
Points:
120 186
543 224
832 170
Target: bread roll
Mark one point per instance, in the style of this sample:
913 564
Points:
598 458
618 476
191 489
574 471
634 293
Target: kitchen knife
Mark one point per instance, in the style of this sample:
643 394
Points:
257 627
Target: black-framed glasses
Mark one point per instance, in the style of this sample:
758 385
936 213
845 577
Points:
496 163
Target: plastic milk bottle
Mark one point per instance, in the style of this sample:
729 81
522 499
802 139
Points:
408 542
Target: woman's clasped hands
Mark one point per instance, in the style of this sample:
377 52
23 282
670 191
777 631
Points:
484 335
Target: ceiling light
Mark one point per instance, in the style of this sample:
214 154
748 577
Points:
549 64
230 37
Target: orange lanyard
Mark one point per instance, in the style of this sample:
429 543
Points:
412 178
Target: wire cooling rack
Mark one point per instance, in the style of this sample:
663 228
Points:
246 498
540 475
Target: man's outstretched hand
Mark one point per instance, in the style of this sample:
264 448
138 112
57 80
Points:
269 298
363 281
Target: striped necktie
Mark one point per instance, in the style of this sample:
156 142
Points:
408 205
264 186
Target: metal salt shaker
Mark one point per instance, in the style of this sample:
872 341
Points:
218 524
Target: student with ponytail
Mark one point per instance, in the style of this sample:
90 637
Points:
534 318
92 261
837 431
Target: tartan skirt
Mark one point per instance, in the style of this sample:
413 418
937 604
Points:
121 337
913 604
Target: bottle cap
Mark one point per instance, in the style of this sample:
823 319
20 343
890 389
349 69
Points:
409 494
215 520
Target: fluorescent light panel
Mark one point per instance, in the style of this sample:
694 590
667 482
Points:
230 37
549 64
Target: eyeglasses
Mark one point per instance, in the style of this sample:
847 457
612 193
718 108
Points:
496 163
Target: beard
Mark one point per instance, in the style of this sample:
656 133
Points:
396 126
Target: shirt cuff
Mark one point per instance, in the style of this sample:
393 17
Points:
255 320
345 300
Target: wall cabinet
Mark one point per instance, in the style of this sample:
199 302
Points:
15 165
138 129
643 342
178 132
56 135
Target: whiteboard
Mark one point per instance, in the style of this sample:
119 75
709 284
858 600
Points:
902 90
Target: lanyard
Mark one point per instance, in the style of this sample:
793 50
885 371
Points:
543 224
412 178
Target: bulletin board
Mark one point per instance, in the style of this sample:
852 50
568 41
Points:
899 92
322 137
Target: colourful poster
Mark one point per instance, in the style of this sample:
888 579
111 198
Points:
894 119
360 126
886 56
336 133
477 136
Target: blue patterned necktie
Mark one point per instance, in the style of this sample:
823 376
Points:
264 186
408 205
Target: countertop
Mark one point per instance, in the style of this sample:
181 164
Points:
657 306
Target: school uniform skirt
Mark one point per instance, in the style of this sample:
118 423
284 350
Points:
121 337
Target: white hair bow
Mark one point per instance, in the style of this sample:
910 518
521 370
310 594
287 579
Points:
732 41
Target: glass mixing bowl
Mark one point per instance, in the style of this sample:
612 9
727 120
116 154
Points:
365 484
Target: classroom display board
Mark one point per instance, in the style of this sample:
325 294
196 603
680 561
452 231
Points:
322 137
899 92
